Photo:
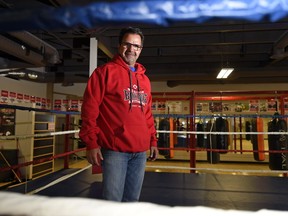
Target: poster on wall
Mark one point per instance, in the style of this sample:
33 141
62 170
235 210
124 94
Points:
161 107
186 109
174 107
254 105
215 106
286 104
7 122
57 104
226 107
26 98
4 96
205 107
153 106
202 107
241 106
20 97
263 106
199 107
272 105
12 97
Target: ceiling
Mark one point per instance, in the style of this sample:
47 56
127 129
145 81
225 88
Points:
181 53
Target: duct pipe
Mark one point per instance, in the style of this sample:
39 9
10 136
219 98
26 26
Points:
279 51
15 49
50 53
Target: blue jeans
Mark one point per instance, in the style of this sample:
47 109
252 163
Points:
123 175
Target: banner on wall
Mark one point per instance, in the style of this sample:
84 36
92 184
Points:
32 99
12 97
57 104
26 98
4 96
20 97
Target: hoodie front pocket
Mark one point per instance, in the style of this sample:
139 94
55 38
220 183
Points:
132 138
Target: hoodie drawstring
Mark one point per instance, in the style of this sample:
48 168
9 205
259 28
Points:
140 97
130 79
131 94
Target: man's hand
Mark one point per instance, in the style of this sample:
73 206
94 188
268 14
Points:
94 156
153 153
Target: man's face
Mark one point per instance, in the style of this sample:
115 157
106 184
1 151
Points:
130 48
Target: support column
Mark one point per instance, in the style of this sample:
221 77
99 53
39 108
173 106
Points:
93 55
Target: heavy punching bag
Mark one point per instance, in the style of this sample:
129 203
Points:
248 129
164 138
200 137
222 139
212 156
257 139
277 142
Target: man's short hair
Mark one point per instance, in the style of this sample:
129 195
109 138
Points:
131 30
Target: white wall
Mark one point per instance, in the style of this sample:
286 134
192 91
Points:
60 92
76 89
24 87
162 87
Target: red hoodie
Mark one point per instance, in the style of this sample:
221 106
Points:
116 110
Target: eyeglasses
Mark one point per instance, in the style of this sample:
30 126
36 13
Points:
136 47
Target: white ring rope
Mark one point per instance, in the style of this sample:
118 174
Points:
58 180
14 137
219 170
223 133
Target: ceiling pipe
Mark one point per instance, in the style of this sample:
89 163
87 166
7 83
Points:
50 53
15 49
279 51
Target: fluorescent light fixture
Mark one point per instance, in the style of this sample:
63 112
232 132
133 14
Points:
224 73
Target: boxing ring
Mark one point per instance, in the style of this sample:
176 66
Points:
197 191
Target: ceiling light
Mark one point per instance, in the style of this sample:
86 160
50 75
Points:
224 73
32 76
16 73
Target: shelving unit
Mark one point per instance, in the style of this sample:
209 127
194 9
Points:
43 146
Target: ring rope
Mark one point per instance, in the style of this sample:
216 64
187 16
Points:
211 116
34 162
221 150
13 137
58 180
223 133
219 170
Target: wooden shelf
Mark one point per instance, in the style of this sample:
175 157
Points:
43 146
